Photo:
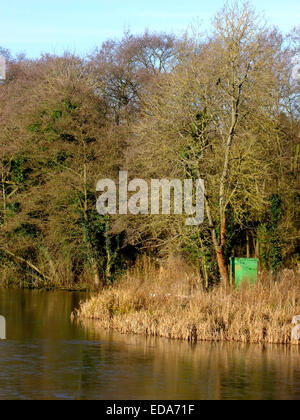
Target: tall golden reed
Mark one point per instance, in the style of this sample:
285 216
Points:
170 302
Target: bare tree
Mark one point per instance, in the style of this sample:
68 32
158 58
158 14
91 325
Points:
216 117
125 68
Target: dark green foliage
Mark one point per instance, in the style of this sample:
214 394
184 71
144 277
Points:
276 215
27 230
269 237
69 107
12 209
101 245
19 171
234 233
57 114
34 128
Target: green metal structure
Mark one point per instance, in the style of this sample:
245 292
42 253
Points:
243 270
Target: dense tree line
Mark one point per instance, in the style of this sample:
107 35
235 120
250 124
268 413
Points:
224 108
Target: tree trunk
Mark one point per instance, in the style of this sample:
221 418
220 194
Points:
223 268
221 259
205 272
219 250
257 249
108 251
248 244
96 274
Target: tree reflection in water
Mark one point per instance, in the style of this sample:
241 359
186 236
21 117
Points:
46 356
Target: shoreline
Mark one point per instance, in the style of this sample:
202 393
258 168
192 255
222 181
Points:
190 339
260 314
98 327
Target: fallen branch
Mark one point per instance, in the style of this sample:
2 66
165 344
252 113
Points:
28 263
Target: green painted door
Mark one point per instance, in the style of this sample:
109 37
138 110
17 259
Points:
243 270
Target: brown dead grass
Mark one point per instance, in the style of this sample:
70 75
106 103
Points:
170 302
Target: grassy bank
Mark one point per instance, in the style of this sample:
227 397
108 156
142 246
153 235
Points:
170 302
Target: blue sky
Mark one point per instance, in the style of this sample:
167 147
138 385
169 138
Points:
35 26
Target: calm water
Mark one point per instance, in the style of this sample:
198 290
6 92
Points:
45 356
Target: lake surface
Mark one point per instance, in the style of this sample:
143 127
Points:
46 356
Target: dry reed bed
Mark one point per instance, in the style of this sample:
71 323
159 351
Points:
170 302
